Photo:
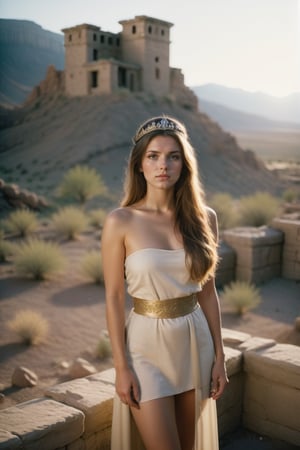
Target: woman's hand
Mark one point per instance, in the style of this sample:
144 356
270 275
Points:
127 387
219 379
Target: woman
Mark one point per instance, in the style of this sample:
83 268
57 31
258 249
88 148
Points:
168 355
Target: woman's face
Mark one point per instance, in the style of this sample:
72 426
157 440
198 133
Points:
162 162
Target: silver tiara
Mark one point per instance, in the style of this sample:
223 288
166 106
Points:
157 124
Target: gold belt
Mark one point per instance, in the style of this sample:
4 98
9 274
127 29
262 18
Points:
165 309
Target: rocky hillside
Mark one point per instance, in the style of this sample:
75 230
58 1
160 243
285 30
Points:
26 50
40 142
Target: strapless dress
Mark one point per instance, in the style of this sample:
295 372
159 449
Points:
168 356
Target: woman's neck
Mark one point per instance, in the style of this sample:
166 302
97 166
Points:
160 201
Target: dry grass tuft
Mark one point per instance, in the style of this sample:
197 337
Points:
38 259
69 222
30 326
92 266
241 296
21 222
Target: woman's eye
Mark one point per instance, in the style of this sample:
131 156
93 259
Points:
176 157
152 156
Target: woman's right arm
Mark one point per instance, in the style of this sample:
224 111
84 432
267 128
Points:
113 256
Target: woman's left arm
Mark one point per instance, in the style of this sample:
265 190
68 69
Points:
209 302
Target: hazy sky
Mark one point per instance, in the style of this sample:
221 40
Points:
249 44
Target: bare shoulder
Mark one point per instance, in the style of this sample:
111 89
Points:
213 220
117 222
119 216
211 213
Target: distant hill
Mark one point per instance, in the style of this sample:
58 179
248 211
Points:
26 50
286 109
40 142
270 139
233 120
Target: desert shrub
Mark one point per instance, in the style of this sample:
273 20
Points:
7 249
258 209
69 222
226 211
38 259
97 218
30 326
92 266
21 222
241 296
81 184
291 195
103 349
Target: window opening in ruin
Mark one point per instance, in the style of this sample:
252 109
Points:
102 38
94 37
70 37
95 54
157 73
110 41
118 42
156 59
94 79
131 82
162 32
122 77
133 29
149 29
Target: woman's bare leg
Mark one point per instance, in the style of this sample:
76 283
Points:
156 422
185 418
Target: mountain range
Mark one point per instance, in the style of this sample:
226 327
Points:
285 109
26 50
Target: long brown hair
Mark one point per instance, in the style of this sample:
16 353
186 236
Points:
191 217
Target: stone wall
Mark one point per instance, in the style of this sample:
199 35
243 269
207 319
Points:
291 246
263 395
259 254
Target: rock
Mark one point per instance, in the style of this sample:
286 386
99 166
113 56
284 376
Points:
64 364
11 190
2 397
297 323
23 377
81 368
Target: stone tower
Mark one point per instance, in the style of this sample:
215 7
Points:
146 42
136 59
87 48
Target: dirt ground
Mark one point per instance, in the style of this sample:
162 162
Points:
75 309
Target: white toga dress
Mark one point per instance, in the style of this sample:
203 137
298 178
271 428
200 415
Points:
168 356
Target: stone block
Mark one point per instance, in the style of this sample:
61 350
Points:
229 406
226 267
258 275
273 405
233 338
256 343
258 252
234 361
291 253
9 441
290 228
93 395
291 270
100 440
272 392
227 256
279 363
43 423
252 237
79 444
